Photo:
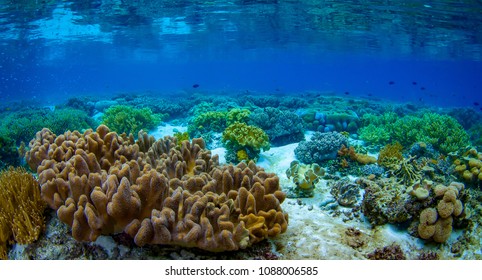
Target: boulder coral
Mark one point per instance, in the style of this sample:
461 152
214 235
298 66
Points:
282 126
102 183
321 147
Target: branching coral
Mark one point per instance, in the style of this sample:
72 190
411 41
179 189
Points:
102 183
441 131
390 154
21 211
407 171
127 119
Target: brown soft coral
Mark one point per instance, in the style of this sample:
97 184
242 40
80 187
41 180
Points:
436 223
102 183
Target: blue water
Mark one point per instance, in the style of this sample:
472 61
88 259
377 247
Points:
424 52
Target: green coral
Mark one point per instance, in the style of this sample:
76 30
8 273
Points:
441 131
237 115
181 137
240 136
8 152
22 125
127 119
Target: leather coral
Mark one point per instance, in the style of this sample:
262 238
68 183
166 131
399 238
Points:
157 192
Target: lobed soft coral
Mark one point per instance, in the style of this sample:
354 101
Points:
468 167
305 176
250 139
21 208
103 183
436 223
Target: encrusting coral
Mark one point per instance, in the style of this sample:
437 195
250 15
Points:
103 183
21 208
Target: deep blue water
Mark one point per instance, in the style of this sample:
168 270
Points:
420 51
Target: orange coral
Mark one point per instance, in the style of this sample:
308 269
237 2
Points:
354 156
102 183
390 154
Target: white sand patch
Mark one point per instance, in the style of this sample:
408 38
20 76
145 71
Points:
221 152
167 130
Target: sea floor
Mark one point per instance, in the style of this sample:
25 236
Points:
318 229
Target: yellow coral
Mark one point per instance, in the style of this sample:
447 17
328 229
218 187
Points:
242 155
389 154
21 212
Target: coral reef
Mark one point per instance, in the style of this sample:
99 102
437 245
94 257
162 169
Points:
242 137
130 120
321 147
102 183
305 176
441 131
283 127
9 156
21 208
23 124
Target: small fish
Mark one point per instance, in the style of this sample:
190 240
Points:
422 88
420 99
195 85
476 103
347 93
391 83
414 83
370 94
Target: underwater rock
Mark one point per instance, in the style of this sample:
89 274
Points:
345 192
